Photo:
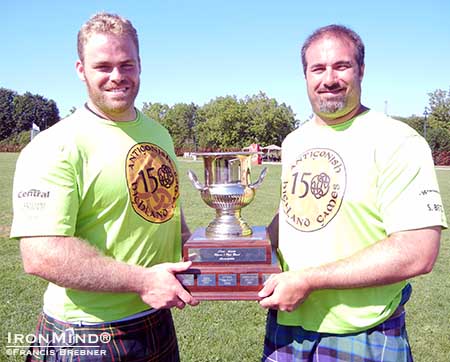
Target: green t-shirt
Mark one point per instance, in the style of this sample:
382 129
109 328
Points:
112 184
343 189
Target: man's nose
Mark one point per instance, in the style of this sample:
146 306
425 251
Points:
329 78
116 74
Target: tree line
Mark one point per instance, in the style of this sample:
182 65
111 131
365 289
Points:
224 123
18 112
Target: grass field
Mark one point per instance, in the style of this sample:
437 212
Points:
224 331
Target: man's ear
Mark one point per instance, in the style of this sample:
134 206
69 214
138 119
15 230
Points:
80 70
361 72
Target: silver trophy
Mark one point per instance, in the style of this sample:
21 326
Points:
230 259
227 189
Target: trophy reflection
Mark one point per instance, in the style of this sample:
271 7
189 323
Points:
231 259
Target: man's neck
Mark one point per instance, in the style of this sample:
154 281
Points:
123 117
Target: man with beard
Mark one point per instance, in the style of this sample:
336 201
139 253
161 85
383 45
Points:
360 213
97 211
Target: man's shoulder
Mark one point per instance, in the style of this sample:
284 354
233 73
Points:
151 122
387 125
393 138
301 131
154 127
58 138
66 127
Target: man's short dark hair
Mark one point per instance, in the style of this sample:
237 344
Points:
336 31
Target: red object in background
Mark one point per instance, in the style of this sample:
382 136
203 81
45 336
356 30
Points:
257 158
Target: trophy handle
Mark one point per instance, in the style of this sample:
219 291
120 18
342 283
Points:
256 184
195 182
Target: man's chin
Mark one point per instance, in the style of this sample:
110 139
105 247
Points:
331 111
331 106
114 110
119 105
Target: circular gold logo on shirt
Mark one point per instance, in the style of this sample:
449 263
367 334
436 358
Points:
313 189
152 182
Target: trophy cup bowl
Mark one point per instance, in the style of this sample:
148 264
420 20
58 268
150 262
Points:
227 189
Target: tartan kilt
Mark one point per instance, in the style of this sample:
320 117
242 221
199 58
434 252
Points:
148 338
386 342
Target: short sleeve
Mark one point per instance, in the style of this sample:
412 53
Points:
45 192
408 192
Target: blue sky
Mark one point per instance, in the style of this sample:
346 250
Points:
195 51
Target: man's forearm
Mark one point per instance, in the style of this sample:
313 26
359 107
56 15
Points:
399 257
72 263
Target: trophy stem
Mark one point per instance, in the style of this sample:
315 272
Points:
228 222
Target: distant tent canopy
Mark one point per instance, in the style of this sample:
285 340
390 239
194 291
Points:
270 153
267 148
271 148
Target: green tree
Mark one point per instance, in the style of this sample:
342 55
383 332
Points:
180 121
25 109
47 112
434 125
7 123
222 124
155 111
439 139
439 109
30 108
229 123
269 122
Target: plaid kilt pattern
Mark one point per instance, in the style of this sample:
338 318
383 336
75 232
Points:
386 342
148 338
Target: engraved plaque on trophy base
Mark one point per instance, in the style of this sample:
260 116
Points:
231 269
207 250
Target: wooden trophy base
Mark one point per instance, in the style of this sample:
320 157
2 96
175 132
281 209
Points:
231 269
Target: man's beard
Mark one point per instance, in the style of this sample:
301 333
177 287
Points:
111 106
332 105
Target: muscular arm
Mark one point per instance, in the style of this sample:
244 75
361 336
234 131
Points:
400 256
72 263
